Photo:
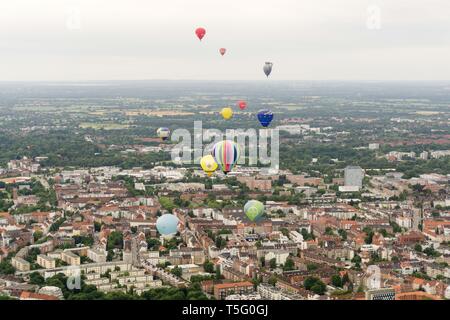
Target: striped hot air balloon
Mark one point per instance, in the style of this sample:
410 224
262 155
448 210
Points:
226 154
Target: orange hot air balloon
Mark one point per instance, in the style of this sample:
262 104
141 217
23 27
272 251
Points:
222 51
200 32
242 105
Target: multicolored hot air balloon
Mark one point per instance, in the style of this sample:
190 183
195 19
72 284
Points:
242 104
268 68
208 164
163 133
226 154
254 210
167 224
222 51
200 32
227 113
265 117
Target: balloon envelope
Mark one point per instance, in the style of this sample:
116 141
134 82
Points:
268 68
222 51
167 224
226 154
242 105
200 32
227 113
265 117
208 164
163 133
254 210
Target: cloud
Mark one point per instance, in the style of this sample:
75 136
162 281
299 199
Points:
306 39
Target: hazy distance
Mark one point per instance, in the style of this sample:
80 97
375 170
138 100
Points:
69 40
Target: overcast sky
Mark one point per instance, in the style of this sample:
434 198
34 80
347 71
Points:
154 39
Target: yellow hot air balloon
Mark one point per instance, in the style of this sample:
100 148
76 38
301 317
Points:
208 164
227 113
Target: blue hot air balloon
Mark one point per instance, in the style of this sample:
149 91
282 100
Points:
265 117
167 224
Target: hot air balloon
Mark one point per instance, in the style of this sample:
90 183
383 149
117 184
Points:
222 51
167 224
227 113
208 164
242 104
254 210
265 117
163 133
226 154
200 32
268 68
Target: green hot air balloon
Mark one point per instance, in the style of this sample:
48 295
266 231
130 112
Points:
254 210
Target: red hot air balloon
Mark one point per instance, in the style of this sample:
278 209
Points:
200 32
242 105
222 51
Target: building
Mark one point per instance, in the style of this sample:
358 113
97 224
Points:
97 255
381 294
46 262
26 295
221 291
416 295
20 264
268 292
70 258
424 155
353 176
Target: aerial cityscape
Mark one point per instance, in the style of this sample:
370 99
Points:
358 209
207 189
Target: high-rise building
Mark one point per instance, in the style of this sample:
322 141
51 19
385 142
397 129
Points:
380 294
353 176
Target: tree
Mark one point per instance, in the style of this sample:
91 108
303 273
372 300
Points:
285 232
336 281
345 279
36 278
272 280
273 263
289 265
220 242
37 235
315 285
356 259
319 288
309 282
343 234
208 266
311 267
262 261
167 203
153 244
6 268
115 240
418 247
177 271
